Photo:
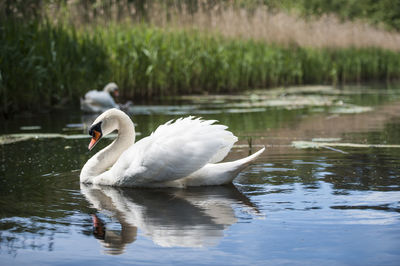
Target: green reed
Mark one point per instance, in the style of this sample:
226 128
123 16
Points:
45 65
150 62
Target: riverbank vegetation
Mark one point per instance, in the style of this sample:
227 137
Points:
51 54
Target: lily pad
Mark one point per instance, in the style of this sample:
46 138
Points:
245 110
326 139
76 125
318 145
350 109
30 127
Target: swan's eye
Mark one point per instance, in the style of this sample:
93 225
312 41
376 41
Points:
96 127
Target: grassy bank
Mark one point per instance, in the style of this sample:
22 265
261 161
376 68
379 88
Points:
43 65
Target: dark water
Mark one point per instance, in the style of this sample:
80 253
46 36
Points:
326 206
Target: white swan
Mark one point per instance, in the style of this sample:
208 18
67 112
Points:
178 154
99 101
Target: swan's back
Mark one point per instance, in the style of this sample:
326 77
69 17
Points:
173 151
200 132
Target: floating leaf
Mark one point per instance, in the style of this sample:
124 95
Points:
350 109
326 139
30 128
318 145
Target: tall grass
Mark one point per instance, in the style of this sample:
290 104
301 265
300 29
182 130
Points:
383 12
279 27
149 62
269 21
43 65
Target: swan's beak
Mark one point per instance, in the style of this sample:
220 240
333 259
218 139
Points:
96 137
95 132
116 93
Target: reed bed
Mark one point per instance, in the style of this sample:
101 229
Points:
256 22
44 65
50 62
282 28
151 62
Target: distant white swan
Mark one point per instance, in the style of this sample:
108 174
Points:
182 153
99 101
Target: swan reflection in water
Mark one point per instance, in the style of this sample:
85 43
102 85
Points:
194 217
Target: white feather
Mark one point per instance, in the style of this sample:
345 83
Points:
173 151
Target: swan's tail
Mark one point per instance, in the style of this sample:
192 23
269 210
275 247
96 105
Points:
220 173
244 162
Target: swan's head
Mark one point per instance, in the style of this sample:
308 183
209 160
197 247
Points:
112 88
104 124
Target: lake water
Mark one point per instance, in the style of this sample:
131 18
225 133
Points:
336 205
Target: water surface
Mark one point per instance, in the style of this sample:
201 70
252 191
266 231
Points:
324 206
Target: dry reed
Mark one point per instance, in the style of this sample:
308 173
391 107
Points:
259 24
284 28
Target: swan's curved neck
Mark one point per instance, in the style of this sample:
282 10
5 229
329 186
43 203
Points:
106 158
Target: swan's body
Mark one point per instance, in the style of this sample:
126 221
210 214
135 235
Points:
99 101
178 154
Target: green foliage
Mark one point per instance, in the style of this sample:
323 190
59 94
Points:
150 62
385 12
42 65
377 12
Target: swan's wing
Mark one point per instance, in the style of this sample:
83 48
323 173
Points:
175 150
101 98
